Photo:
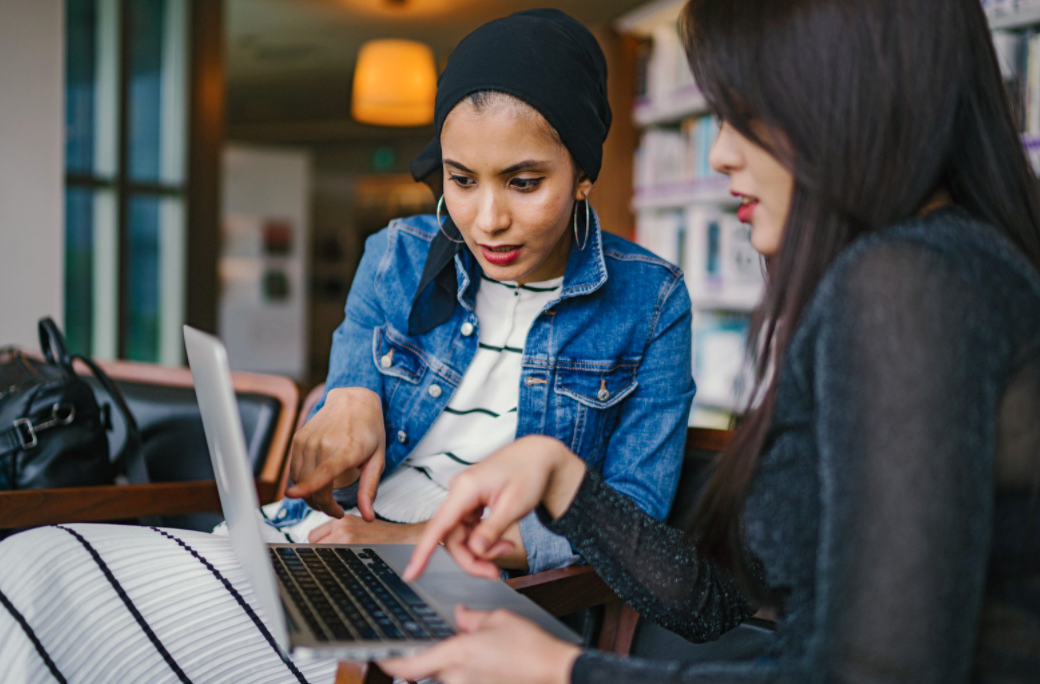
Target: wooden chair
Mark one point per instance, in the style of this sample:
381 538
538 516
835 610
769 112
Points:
309 402
163 402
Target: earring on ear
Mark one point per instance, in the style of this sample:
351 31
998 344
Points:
440 205
588 224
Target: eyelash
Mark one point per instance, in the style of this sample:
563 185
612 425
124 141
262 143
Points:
521 184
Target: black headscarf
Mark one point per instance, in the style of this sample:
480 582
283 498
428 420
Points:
551 62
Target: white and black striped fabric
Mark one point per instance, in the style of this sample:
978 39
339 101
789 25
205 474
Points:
482 414
95 604
110 603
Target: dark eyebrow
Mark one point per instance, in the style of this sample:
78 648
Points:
457 165
526 164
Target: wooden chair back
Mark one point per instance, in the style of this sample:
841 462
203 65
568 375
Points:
270 401
309 402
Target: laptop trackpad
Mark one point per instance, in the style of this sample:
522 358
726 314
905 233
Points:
447 585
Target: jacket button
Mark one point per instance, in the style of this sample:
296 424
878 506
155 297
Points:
402 436
435 391
603 394
467 329
386 361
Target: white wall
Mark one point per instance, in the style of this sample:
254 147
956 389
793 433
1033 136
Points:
260 186
32 155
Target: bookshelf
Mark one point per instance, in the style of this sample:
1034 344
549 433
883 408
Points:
685 212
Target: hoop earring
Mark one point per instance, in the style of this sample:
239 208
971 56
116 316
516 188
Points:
581 244
440 205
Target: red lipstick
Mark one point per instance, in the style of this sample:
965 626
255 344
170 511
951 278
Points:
502 255
747 207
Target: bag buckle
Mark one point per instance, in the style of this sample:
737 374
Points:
26 432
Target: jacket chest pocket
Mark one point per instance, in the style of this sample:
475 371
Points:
588 398
402 367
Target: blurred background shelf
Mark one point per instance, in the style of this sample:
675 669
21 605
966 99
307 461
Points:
670 107
1018 18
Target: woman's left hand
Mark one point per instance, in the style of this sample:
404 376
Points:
352 529
493 648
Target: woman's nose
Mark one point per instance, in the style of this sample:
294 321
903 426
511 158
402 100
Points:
492 216
724 155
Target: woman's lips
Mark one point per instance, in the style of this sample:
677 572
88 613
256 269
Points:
501 255
747 207
745 211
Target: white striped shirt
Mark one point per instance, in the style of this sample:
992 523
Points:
481 416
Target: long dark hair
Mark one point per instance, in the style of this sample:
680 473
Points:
880 103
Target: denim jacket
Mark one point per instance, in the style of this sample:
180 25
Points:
606 368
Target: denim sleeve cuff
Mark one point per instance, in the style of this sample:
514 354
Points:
545 550
347 496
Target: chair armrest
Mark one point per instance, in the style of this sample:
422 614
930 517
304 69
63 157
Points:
32 507
564 590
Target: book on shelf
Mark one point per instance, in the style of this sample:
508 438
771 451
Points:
642 71
720 360
668 157
668 71
998 7
661 232
723 270
1018 53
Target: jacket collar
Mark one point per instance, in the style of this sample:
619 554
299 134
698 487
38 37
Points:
586 269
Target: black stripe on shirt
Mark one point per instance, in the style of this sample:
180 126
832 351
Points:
529 288
241 601
467 412
423 471
20 619
129 604
457 459
488 412
493 348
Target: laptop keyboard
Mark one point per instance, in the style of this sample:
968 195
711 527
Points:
347 596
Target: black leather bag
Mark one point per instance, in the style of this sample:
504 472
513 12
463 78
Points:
53 432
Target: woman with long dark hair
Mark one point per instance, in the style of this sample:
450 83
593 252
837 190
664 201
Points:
882 491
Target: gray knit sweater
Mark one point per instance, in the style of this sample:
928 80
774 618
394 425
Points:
894 510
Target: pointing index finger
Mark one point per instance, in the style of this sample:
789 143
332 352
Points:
451 514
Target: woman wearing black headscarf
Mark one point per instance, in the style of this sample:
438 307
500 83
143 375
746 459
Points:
507 314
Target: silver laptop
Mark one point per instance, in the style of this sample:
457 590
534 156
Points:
332 600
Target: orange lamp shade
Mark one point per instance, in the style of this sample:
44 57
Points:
395 83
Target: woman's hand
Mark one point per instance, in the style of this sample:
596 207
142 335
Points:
511 483
345 435
494 648
350 529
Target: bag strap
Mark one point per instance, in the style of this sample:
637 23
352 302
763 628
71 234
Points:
51 341
127 462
